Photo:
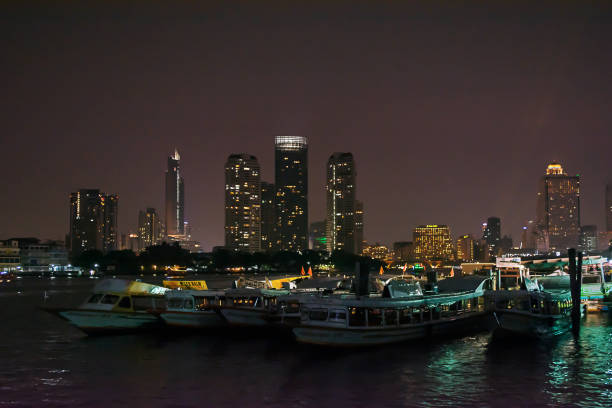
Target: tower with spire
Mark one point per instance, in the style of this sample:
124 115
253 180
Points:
175 197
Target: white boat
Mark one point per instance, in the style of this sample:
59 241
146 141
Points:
352 320
251 307
194 309
531 313
116 305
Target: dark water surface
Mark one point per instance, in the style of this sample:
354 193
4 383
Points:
46 362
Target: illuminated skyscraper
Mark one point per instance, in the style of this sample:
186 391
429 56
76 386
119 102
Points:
93 221
358 227
268 218
111 211
492 235
341 202
588 238
291 182
432 242
558 210
242 203
175 197
150 228
465 248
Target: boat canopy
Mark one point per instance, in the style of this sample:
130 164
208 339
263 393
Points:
324 284
129 287
397 288
468 283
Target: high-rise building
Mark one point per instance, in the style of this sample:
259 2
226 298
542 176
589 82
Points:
111 211
432 242
492 235
558 210
403 251
242 203
291 182
588 238
93 221
341 202
175 196
268 217
359 227
465 248
318 236
150 228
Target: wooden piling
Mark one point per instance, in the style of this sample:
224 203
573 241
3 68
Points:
575 272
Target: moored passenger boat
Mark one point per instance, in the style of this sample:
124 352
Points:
250 307
116 305
532 313
194 309
353 320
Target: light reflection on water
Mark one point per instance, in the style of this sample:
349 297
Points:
44 361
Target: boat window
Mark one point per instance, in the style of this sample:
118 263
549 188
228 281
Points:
142 302
357 317
337 315
95 298
175 303
292 307
125 302
109 299
416 315
374 317
318 314
405 316
391 317
188 304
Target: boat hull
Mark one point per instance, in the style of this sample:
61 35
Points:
100 322
192 320
370 336
515 323
245 317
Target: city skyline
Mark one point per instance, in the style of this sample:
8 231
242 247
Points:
434 145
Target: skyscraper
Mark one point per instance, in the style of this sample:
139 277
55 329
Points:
150 228
492 235
268 218
242 203
558 210
358 227
588 238
175 197
111 211
291 182
465 248
93 221
341 202
432 242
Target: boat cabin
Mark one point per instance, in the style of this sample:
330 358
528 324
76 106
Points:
194 300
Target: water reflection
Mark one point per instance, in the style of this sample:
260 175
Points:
45 361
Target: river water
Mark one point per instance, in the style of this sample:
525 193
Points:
46 362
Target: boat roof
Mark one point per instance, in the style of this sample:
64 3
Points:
129 287
552 295
382 302
194 292
256 292
462 283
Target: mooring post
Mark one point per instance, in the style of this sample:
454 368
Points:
575 272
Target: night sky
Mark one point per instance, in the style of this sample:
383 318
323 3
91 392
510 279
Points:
451 111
